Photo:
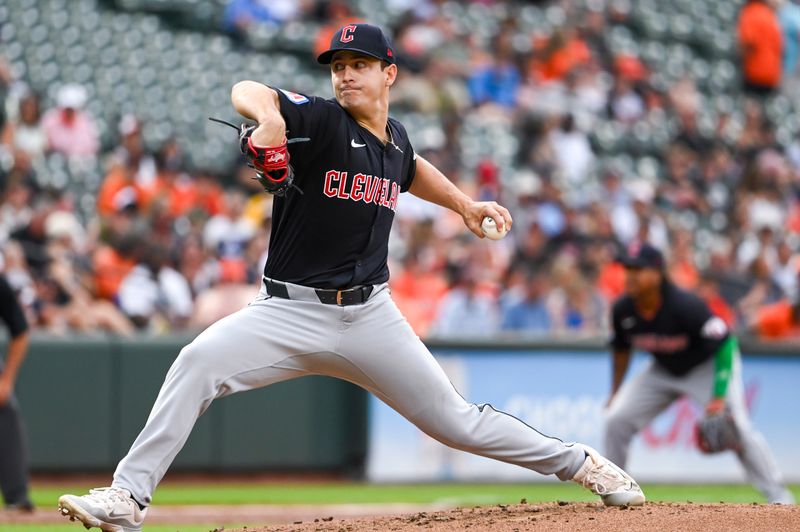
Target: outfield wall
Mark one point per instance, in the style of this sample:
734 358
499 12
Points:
562 392
85 400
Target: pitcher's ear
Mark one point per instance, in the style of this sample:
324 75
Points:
391 74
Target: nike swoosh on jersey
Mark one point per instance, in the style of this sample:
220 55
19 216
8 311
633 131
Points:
354 144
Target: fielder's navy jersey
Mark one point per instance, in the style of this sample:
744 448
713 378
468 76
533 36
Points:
682 334
336 233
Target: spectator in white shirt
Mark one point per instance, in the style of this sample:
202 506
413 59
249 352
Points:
155 290
573 151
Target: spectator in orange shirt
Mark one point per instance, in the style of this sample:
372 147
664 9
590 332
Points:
118 191
111 264
682 270
761 46
778 321
132 154
418 290
210 196
176 188
131 178
562 52
793 218
611 280
185 193
708 291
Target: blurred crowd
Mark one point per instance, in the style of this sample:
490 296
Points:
168 246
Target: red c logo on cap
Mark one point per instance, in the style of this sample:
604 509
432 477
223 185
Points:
347 33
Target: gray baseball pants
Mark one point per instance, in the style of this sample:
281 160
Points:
372 345
641 398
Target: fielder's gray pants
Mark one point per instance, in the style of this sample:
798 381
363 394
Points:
371 345
647 394
13 455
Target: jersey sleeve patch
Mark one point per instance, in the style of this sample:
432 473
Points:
715 329
295 98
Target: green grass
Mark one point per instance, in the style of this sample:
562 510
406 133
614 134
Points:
362 493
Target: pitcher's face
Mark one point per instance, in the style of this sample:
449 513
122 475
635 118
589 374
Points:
360 81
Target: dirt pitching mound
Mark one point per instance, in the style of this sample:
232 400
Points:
569 517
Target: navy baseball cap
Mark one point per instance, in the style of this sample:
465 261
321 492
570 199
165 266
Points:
363 38
642 255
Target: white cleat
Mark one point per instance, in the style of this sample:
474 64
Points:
784 497
109 509
611 483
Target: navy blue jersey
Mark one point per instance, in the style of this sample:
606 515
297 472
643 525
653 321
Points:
681 335
336 233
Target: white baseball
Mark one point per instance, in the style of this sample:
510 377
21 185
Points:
491 231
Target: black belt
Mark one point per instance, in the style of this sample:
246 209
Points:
350 296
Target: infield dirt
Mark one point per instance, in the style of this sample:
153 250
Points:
539 517
572 517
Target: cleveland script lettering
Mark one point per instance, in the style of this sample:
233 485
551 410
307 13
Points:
363 187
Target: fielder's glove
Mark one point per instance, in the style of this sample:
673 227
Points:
717 432
271 163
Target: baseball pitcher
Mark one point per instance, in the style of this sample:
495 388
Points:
337 168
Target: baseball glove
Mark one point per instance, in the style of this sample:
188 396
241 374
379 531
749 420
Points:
271 163
718 432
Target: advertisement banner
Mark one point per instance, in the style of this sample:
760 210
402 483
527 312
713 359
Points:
563 394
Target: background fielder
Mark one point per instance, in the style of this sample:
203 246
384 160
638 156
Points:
694 354
324 307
